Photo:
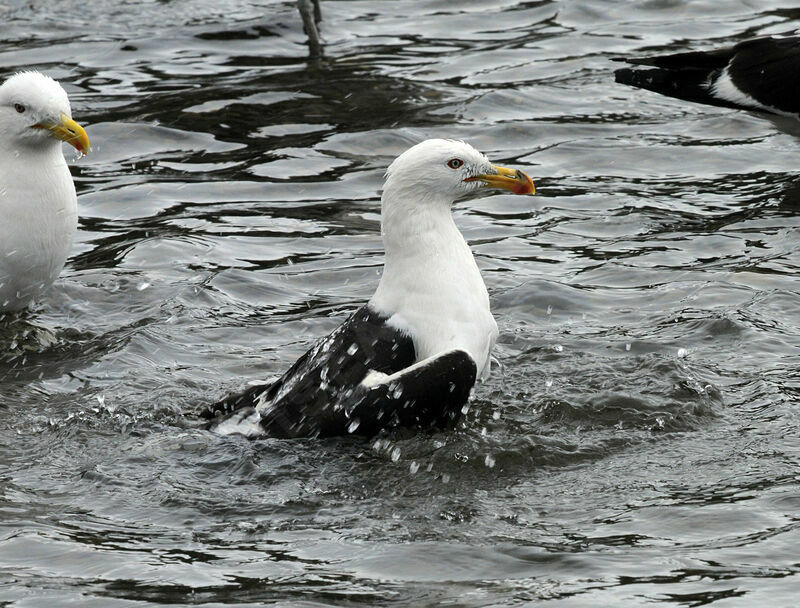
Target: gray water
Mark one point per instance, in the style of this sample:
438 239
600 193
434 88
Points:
637 444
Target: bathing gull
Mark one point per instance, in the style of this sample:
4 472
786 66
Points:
411 355
759 74
38 206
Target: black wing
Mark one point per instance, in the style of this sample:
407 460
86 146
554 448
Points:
767 70
324 375
322 394
430 393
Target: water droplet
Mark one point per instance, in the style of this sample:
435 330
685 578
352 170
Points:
682 352
142 286
396 390
395 455
465 409
558 348
628 346
496 415
548 383
413 467
489 461
549 309
353 426
352 349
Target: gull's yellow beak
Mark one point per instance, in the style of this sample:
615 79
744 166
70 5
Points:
507 179
68 131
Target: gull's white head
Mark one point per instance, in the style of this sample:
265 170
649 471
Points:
34 109
445 169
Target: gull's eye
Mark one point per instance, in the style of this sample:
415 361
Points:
455 163
19 107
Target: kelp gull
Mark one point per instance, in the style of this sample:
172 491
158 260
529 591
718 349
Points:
411 355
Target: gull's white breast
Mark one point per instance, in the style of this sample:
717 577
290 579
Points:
436 294
39 213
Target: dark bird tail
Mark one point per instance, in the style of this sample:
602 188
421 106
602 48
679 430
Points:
757 74
687 76
690 85
247 398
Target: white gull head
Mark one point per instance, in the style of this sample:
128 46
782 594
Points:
38 206
26 99
431 287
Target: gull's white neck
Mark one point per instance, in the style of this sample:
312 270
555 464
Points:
431 286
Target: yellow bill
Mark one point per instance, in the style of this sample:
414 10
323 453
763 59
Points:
69 131
507 179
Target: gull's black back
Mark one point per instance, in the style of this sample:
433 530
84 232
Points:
306 396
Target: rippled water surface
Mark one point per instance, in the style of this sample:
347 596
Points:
637 443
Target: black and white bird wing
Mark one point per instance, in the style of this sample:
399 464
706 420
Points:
361 379
758 74
430 393
309 398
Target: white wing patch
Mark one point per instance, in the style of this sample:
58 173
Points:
724 88
374 378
